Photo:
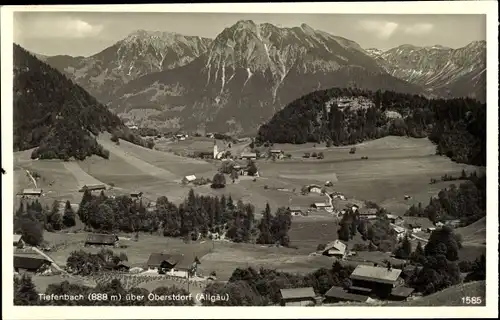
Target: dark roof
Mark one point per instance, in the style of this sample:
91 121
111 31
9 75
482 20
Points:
94 238
356 288
402 291
123 264
29 262
93 187
156 259
295 293
339 293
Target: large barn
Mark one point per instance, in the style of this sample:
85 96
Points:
30 263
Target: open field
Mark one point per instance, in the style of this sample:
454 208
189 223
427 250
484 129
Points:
452 296
395 167
474 233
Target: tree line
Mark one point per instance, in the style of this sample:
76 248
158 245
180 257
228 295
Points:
378 232
251 287
456 126
467 202
31 219
198 216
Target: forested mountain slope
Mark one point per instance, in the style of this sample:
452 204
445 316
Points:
349 116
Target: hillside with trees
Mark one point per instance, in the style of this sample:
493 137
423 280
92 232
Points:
456 126
467 202
197 217
56 116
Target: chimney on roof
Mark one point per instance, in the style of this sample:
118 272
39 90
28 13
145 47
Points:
389 266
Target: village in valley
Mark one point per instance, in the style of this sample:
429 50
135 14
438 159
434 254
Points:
316 203
264 166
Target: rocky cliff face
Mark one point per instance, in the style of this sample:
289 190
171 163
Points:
442 71
141 53
248 73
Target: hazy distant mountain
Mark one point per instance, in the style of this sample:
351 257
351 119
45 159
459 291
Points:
442 71
248 73
141 53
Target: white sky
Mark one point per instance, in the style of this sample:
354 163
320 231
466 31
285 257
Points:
86 33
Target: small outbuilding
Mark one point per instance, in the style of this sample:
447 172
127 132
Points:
298 297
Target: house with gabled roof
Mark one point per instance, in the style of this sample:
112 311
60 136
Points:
335 249
298 296
374 281
32 192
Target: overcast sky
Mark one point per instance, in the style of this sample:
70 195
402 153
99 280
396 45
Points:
76 33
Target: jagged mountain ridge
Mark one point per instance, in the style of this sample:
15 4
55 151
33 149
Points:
249 72
443 71
140 53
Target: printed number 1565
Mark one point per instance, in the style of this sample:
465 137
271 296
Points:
472 300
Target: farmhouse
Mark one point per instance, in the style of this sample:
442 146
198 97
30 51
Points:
136 194
248 155
413 227
338 294
296 211
92 187
395 219
18 241
377 281
298 297
314 188
417 224
431 229
279 154
400 231
189 179
335 249
172 264
320 205
32 193
363 212
101 239
30 263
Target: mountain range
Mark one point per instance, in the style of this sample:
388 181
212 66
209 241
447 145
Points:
237 81
442 71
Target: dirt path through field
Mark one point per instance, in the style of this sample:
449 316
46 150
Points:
80 175
140 164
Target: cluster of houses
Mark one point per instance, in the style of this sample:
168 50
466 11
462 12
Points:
368 283
177 265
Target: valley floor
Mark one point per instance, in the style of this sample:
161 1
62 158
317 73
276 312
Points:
395 167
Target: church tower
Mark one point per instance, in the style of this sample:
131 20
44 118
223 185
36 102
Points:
216 150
